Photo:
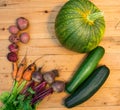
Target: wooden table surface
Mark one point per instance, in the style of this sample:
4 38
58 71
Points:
41 15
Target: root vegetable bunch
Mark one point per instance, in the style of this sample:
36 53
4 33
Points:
30 84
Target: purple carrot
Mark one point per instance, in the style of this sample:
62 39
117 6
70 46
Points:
41 96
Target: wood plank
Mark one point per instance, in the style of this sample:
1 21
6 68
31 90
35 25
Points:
64 75
42 14
45 29
52 46
84 108
67 61
50 17
111 93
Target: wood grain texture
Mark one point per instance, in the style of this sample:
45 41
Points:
42 14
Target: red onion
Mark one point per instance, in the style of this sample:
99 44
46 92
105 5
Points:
13 29
13 38
13 47
24 37
12 57
22 23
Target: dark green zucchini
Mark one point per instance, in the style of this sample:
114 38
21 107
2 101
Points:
88 88
85 69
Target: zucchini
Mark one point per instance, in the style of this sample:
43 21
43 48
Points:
88 88
85 69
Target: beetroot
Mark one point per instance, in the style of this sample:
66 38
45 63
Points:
58 86
22 23
13 29
24 37
12 56
50 76
13 47
37 76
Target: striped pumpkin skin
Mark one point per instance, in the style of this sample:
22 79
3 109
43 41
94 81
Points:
73 28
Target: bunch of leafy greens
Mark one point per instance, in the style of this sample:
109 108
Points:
25 97
15 101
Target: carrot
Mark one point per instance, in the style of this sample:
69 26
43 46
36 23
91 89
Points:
21 69
29 70
15 69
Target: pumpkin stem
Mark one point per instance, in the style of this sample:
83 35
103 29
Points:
92 17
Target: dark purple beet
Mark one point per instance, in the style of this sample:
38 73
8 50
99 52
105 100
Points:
13 29
13 47
13 38
49 77
58 86
22 23
12 57
37 76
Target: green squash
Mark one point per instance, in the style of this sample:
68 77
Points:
80 25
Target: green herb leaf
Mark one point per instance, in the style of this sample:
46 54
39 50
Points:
31 90
21 97
23 103
4 96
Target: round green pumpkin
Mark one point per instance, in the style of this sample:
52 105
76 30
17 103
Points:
80 25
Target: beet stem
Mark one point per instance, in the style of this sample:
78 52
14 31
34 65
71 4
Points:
40 87
31 84
41 96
